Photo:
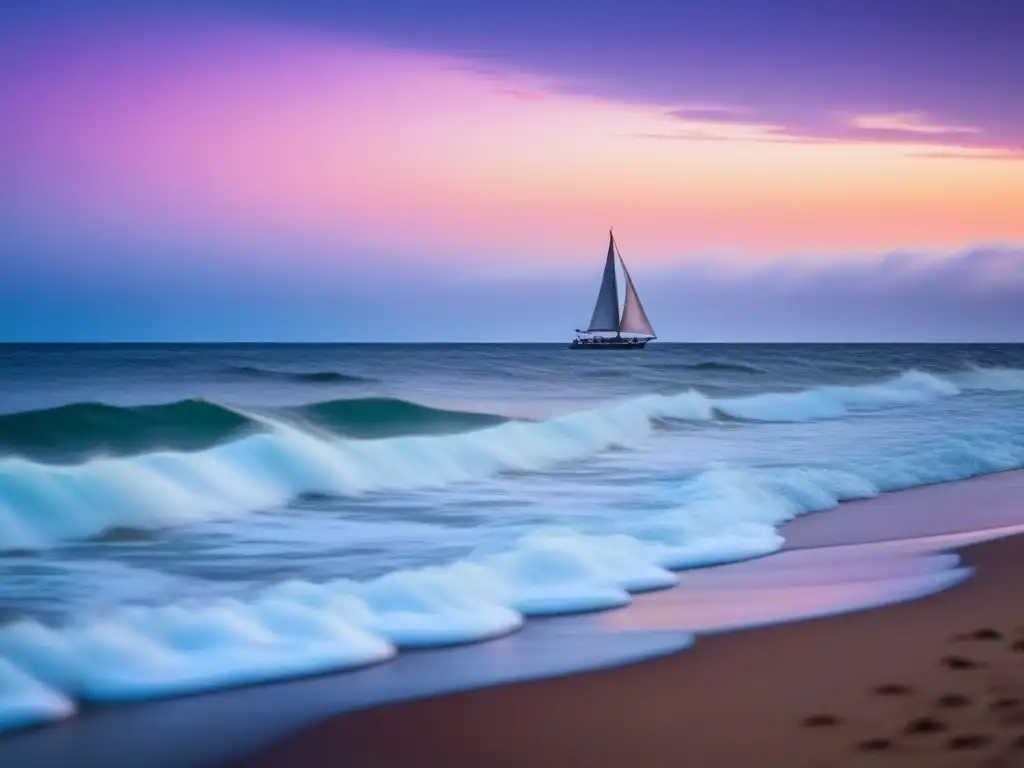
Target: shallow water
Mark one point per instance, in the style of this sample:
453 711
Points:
234 514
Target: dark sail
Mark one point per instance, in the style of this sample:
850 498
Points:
606 310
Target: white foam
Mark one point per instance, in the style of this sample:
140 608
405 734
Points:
835 402
43 505
991 379
296 628
25 701
144 653
299 627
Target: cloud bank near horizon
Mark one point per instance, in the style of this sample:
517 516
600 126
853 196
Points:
969 296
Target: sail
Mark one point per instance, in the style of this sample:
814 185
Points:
634 319
606 310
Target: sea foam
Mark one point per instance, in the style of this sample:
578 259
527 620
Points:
42 505
300 627
25 701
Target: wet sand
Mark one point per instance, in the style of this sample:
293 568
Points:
938 681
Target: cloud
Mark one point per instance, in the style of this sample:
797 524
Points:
703 130
708 112
980 268
967 153
908 122
522 95
910 129
907 296
972 295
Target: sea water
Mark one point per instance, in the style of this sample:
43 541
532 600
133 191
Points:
176 519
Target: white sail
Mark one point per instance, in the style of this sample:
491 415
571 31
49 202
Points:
606 310
634 319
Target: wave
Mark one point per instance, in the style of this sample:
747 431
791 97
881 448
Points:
299 628
376 417
295 628
310 377
43 505
81 430
89 428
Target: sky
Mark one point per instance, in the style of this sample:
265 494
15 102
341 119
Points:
391 170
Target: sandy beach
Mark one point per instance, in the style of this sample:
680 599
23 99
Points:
938 681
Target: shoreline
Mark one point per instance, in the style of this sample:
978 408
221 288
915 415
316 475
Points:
737 696
595 662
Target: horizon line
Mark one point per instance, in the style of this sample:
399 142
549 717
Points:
169 343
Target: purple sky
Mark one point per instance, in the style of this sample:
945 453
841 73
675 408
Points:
781 61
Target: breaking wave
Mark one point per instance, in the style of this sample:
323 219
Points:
300 628
376 417
84 429
42 505
88 428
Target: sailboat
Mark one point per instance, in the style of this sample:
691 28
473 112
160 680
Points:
632 329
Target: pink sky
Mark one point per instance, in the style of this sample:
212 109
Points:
244 136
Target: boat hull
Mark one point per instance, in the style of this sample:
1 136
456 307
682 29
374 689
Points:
610 344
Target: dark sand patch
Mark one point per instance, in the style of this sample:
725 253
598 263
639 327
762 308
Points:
819 721
891 689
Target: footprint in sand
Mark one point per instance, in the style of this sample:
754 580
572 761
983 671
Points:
969 741
924 725
987 633
875 745
952 701
1004 704
960 662
1007 710
891 689
818 721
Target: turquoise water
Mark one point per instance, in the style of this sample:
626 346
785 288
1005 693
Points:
181 518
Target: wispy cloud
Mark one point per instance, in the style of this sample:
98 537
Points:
708 130
908 122
936 139
967 153
522 94
709 112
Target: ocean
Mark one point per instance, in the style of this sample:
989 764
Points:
182 518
